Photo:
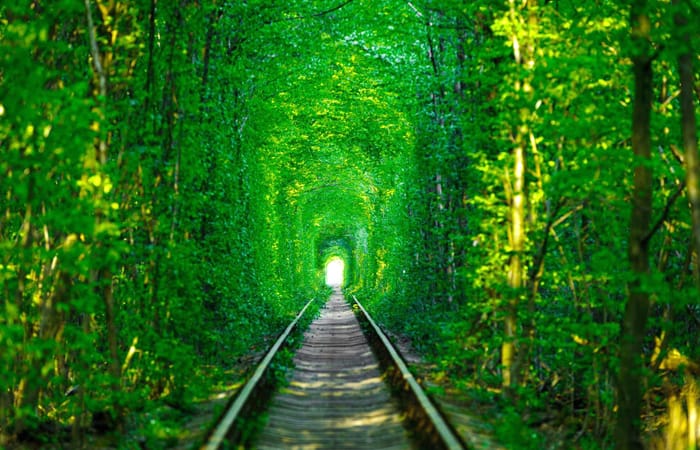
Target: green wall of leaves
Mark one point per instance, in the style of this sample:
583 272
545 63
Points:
174 175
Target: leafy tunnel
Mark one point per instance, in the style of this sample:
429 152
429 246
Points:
177 176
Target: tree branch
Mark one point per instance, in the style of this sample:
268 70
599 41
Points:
316 14
95 51
101 76
425 21
667 209
335 8
538 262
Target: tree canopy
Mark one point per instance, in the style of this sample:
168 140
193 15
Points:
512 186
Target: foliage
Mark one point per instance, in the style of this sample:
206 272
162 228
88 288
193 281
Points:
176 175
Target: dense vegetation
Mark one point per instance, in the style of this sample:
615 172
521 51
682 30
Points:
512 185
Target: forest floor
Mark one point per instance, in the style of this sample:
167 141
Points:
474 420
470 423
159 425
467 415
481 422
194 427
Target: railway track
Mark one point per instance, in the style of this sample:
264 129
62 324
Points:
349 389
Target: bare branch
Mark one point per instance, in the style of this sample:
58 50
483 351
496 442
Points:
335 8
95 51
667 209
316 14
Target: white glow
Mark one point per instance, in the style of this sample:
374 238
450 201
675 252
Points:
334 272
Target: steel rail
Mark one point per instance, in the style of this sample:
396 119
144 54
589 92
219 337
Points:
223 428
429 428
434 431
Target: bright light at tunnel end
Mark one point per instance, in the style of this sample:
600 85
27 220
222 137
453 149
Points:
335 269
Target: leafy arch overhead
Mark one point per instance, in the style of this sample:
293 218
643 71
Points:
338 248
512 188
335 272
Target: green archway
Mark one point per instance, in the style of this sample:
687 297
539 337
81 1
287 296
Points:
337 248
335 272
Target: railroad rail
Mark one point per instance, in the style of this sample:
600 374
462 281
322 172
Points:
349 389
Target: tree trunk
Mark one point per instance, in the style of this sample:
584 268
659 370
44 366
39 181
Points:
689 128
630 377
515 268
523 52
150 70
103 278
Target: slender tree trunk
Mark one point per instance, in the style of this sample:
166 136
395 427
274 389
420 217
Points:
26 395
523 52
150 70
438 101
515 268
630 377
692 179
689 129
103 278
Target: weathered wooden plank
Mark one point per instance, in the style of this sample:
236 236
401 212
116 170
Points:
337 397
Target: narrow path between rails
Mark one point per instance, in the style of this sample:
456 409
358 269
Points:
337 398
